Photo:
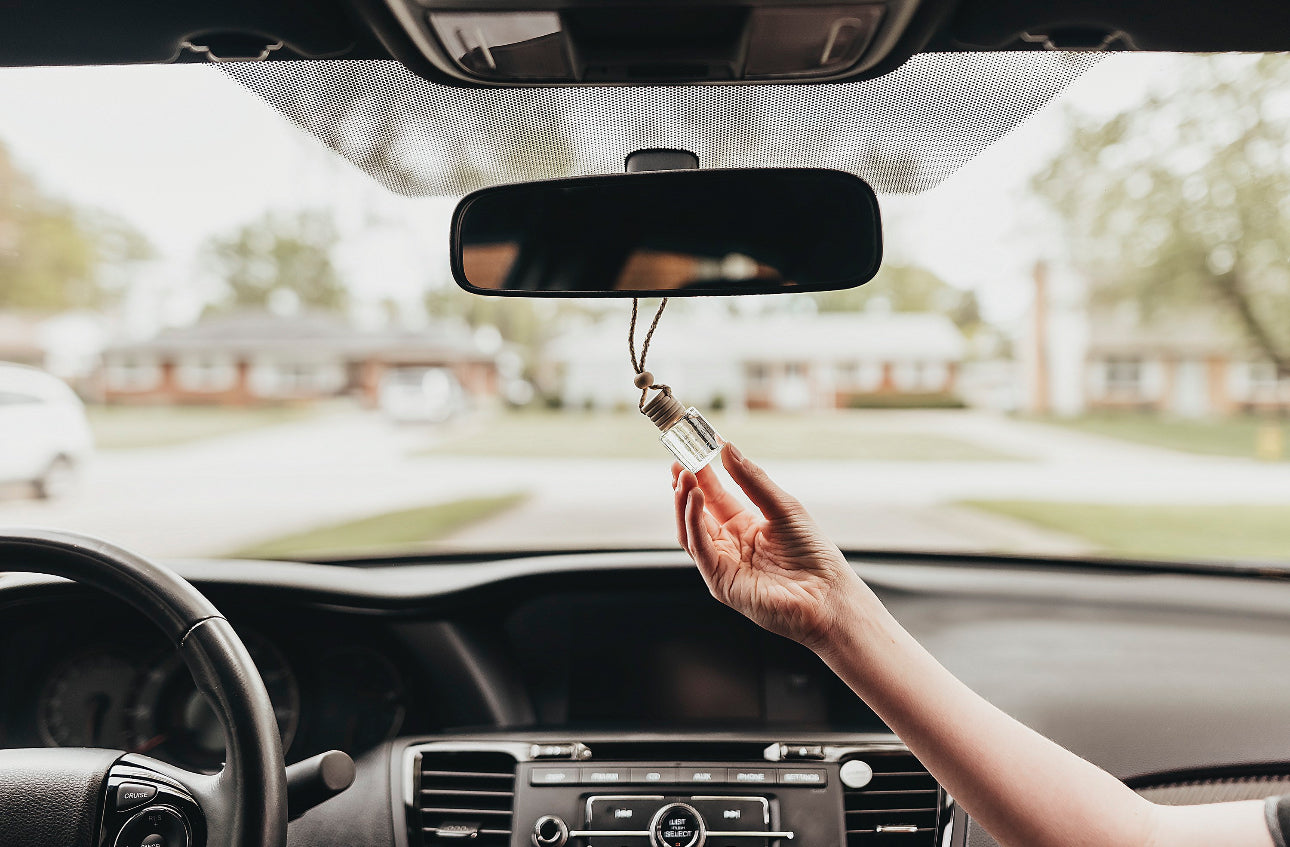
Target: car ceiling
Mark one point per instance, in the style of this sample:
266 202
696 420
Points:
951 79
81 32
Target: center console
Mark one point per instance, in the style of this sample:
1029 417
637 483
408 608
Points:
690 793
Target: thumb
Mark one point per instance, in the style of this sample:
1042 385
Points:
773 501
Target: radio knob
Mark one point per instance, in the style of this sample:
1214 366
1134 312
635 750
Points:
677 825
550 831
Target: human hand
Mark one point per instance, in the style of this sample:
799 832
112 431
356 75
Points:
774 565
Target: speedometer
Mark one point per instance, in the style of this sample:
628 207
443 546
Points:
170 719
83 704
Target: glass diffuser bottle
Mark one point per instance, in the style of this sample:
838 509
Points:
685 432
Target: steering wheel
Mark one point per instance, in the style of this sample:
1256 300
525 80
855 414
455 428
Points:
81 797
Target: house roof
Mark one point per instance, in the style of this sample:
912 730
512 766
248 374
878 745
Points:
1191 332
835 336
308 335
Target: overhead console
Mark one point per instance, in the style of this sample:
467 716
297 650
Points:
694 792
559 42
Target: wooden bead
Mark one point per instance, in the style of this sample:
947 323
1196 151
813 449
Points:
644 379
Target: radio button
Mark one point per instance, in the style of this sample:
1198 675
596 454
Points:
700 776
733 814
654 776
677 825
604 776
752 776
621 814
803 776
553 776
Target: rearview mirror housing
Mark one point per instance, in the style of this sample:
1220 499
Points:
669 233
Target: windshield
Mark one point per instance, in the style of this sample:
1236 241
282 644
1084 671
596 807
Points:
1079 343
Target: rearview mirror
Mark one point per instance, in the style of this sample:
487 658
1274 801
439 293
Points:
669 233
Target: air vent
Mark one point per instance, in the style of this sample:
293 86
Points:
898 808
464 797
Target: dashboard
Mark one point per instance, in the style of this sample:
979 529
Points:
85 672
419 669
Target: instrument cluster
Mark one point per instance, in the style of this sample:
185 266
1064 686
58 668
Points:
126 689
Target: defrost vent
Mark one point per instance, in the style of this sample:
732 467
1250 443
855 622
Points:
463 796
898 805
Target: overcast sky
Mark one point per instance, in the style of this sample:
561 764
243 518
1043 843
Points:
183 152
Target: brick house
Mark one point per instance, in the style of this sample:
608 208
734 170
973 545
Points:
253 358
817 361
1193 364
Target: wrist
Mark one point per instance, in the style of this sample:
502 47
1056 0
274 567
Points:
860 622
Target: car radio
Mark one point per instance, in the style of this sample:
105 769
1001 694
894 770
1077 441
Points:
678 804
499 792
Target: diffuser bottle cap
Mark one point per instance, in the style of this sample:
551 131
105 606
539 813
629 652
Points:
664 410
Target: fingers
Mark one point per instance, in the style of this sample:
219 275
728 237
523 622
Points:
772 500
699 527
682 483
721 503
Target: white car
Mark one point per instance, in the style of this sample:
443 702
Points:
44 435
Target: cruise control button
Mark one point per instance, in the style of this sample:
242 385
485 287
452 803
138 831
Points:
802 776
553 776
603 776
733 814
131 794
650 776
752 776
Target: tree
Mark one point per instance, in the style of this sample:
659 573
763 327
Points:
1183 201
907 288
276 254
54 256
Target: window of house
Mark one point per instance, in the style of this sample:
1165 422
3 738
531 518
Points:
209 374
1263 376
907 376
758 377
869 377
1124 375
132 374
270 378
934 376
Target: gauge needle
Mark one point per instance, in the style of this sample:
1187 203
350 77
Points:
152 742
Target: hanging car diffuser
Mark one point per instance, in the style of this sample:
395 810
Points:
686 433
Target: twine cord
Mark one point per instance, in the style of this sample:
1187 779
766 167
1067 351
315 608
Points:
638 365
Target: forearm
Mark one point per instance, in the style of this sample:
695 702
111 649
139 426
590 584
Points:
1022 788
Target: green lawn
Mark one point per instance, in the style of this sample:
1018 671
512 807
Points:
124 427
1223 437
389 532
765 435
1162 532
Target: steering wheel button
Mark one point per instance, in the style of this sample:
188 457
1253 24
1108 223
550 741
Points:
131 794
154 840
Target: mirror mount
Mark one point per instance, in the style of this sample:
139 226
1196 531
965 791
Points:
658 159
